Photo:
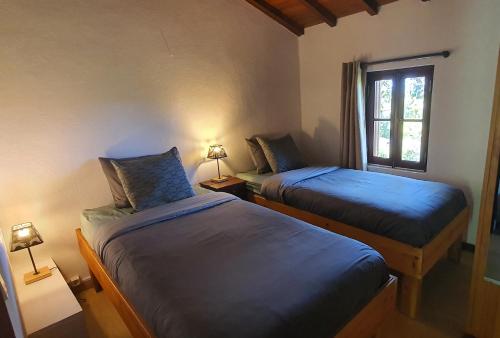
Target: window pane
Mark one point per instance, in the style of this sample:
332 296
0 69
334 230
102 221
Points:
383 99
414 98
382 139
412 141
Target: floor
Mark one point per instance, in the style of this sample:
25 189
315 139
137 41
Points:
444 304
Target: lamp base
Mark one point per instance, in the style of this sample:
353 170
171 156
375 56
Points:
219 180
43 272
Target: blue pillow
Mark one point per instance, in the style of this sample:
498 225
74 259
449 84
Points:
152 181
282 154
115 185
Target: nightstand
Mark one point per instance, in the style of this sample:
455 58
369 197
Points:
233 186
48 307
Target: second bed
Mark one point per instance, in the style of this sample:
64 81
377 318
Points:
412 223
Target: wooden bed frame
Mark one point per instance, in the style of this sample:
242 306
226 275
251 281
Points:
364 325
410 262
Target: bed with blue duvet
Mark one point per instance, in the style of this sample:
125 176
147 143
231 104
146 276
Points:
412 223
213 265
404 209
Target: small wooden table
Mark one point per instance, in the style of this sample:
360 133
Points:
233 186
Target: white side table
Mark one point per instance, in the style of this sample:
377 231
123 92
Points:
48 307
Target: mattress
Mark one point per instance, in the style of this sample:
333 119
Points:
93 219
216 266
254 180
404 209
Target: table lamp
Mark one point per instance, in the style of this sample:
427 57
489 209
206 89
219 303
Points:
215 152
24 236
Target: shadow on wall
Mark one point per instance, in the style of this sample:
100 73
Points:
322 148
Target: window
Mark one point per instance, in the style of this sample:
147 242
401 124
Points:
397 117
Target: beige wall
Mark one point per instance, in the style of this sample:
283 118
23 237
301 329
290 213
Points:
82 79
463 84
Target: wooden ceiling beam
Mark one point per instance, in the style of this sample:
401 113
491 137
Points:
371 6
325 14
278 16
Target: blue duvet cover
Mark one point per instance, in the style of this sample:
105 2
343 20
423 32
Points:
407 210
216 266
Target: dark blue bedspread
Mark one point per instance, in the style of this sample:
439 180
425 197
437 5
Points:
229 268
407 210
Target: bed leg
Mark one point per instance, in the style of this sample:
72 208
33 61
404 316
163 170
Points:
95 282
455 251
410 290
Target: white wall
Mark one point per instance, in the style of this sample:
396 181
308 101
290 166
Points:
82 79
463 84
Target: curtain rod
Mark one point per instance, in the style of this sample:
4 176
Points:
444 53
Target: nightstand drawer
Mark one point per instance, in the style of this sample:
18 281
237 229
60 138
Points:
239 191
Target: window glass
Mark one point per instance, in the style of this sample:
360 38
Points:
382 139
414 98
383 99
412 141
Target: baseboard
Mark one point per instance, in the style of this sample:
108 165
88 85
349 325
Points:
468 247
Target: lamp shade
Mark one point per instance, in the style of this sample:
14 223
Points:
24 236
216 151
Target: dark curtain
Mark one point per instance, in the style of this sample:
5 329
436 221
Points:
352 117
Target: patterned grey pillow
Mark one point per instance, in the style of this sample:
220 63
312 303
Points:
115 185
282 154
154 180
258 157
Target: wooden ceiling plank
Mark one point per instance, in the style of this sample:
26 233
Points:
371 6
322 11
278 16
